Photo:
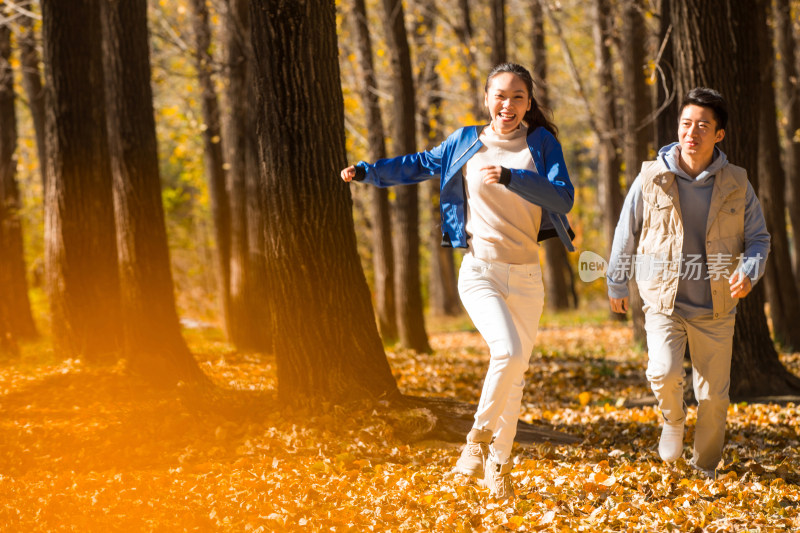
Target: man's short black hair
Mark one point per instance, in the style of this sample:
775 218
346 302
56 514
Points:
705 97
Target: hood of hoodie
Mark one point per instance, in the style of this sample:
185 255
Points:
670 153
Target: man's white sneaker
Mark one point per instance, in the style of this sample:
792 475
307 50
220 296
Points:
670 447
473 457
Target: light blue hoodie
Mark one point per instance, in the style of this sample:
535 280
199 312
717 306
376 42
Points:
694 291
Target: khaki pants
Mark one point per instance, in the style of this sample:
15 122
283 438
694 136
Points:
710 344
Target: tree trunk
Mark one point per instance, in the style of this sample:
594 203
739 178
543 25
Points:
666 124
781 290
80 239
636 110
464 33
152 344
215 170
443 299
558 276
713 45
608 171
15 291
326 340
789 103
498 8
408 293
32 84
379 212
247 310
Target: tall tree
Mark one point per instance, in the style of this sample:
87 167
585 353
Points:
558 276
379 209
408 292
609 164
214 161
666 99
248 306
443 296
789 103
80 238
782 293
152 342
14 286
32 84
498 44
463 30
713 47
315 272
637 96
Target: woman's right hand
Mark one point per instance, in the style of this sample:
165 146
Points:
348 173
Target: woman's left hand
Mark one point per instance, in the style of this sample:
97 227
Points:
491 174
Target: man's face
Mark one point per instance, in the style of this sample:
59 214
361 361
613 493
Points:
698 133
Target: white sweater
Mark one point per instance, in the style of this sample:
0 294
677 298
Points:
503 225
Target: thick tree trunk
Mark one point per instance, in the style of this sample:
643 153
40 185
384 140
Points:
80 238
247 310
713 46
636 110
408 292
32 84
326 341
379 209
153 344
781 290
558 276
789 103
215 169
498 52
443 299
15 288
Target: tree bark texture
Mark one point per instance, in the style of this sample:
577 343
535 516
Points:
498 53
153 344
32 85
713 46
789 103
214 161
326 341
779 280
248 309
80 238
443 299
558 277
636 110
14 289
405 220
380 208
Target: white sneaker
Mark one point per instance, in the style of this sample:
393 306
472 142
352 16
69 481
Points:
473 457
670 447
497 479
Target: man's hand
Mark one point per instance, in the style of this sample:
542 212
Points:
740 285
619 305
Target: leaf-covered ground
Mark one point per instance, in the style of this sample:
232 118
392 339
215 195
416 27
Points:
93 450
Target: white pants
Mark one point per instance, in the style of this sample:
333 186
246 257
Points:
505 303
710 344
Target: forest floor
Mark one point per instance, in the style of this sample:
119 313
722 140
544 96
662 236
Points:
86 449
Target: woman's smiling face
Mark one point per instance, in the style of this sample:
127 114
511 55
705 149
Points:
508 99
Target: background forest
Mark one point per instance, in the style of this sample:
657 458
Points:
171 214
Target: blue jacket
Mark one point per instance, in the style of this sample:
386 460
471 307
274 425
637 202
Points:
549 187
